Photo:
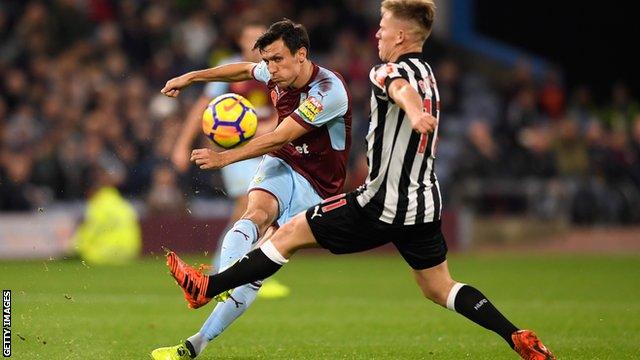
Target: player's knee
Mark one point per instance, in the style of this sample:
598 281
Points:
261 217
287 238
430 293
437 293
285 235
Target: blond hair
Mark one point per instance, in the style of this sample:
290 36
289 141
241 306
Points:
420 13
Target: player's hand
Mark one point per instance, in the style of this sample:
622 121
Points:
423 122
172 87
209 159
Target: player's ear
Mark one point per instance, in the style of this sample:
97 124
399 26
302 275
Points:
400 37
301 54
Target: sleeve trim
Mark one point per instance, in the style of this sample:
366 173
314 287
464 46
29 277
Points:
388 82
301 121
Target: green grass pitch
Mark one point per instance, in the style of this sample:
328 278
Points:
347 307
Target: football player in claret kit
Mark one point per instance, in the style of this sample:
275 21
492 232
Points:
237 176
305 157
400 200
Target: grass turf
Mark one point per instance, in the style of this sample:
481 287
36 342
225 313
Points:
347 307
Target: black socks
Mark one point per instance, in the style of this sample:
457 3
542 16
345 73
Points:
471 303
252 267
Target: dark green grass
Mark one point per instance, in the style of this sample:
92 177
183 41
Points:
348 307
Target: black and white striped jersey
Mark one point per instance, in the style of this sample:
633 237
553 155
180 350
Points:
401 187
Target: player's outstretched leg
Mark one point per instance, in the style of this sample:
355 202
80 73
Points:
237 243
257 265
471 303
437 285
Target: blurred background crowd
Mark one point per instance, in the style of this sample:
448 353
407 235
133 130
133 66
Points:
79 93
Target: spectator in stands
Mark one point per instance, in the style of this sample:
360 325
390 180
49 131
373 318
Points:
552 95
622 109
581 107
17 194
164 195
571 156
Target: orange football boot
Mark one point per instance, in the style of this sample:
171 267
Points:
530 347
192 282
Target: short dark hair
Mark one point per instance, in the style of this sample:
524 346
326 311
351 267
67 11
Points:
293 35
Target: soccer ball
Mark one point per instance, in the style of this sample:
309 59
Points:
229 120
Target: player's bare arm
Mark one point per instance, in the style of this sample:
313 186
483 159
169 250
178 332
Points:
239 71
286 132
410 101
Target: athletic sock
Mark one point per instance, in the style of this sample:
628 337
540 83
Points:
196 343
472 304
237 242
257 265
225 313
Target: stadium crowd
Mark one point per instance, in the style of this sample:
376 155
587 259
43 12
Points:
80 85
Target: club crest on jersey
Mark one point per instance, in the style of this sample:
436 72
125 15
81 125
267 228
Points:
382 72
310 108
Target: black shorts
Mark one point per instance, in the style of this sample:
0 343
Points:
341 226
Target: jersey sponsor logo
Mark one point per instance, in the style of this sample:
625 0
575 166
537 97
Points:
310 108
302 149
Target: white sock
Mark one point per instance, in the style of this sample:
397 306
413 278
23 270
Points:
451 299
199 342
272 253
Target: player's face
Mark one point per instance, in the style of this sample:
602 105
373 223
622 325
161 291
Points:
387 36
283 66
247 39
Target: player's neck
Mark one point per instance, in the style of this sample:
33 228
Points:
405 50
304 76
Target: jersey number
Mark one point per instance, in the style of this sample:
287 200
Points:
334 202
424 138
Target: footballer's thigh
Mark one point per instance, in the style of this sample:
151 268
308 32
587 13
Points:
424 248
293 236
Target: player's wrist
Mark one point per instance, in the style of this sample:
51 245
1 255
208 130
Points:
193 76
